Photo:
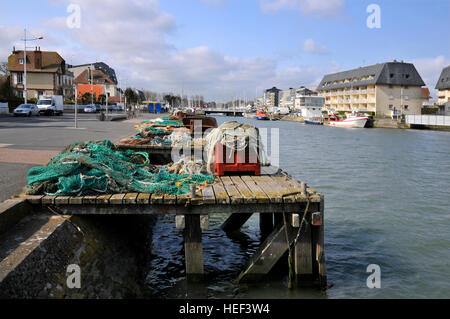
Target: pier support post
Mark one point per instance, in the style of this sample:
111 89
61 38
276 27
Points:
265 224
317 230
193 248
303 257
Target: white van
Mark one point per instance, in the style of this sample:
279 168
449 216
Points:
51 104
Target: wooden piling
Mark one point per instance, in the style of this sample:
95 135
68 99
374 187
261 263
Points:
320 247
303 258
193 248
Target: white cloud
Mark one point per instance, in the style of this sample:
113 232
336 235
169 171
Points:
9 37
321 8
310 46
430 69
132 37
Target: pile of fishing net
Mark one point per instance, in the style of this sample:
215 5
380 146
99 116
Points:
236 136
97 168
158 126
188 165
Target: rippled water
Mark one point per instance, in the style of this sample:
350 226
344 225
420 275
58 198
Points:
387 202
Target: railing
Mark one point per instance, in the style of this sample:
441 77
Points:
439 120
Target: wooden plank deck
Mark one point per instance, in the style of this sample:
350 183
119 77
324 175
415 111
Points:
236 194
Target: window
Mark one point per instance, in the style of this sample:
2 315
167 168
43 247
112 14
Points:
406 107
405 97
390 106
391 97
19 78
391 75
20 61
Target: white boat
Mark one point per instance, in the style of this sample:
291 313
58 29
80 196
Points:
352 120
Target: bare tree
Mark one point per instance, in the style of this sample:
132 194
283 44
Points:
4 69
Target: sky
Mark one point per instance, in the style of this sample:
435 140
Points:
232 48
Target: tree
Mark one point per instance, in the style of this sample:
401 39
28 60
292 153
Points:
86 98
6 90
4 69
131 96
102 99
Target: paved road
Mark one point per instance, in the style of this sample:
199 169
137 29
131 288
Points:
28 142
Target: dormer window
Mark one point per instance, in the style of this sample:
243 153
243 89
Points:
20 61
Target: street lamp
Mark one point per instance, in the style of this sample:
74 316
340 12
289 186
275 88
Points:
25 63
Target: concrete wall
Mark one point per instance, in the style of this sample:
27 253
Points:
111 252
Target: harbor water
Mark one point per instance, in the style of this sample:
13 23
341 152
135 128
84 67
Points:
387 202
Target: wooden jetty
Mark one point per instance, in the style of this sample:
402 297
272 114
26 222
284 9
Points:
291 219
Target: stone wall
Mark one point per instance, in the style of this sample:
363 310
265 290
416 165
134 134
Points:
111 252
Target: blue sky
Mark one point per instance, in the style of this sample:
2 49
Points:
223 48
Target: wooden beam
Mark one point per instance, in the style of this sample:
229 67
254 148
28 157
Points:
193 248
268 254
235 222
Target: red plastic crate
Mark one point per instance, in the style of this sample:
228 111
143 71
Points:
231 162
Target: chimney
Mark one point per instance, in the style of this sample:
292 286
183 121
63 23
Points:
38 58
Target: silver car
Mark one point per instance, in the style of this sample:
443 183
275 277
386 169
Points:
26 110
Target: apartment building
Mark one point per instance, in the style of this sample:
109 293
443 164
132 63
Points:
443 86
271 97
385 88
47 74
287 98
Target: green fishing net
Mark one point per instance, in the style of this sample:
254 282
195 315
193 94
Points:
97 168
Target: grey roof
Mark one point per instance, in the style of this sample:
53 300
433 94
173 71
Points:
391 73
105 68
444 80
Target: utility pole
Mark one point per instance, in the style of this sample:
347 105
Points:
92 85
25 87
76 105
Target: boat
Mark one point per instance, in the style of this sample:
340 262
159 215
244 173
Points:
351 120
261 115
313 122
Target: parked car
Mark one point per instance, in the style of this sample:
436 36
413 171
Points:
26 110
90 109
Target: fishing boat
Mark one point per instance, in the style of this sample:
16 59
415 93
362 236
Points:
351 120
261 115
313 122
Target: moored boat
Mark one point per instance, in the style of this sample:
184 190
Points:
352 120
261 115
313 122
